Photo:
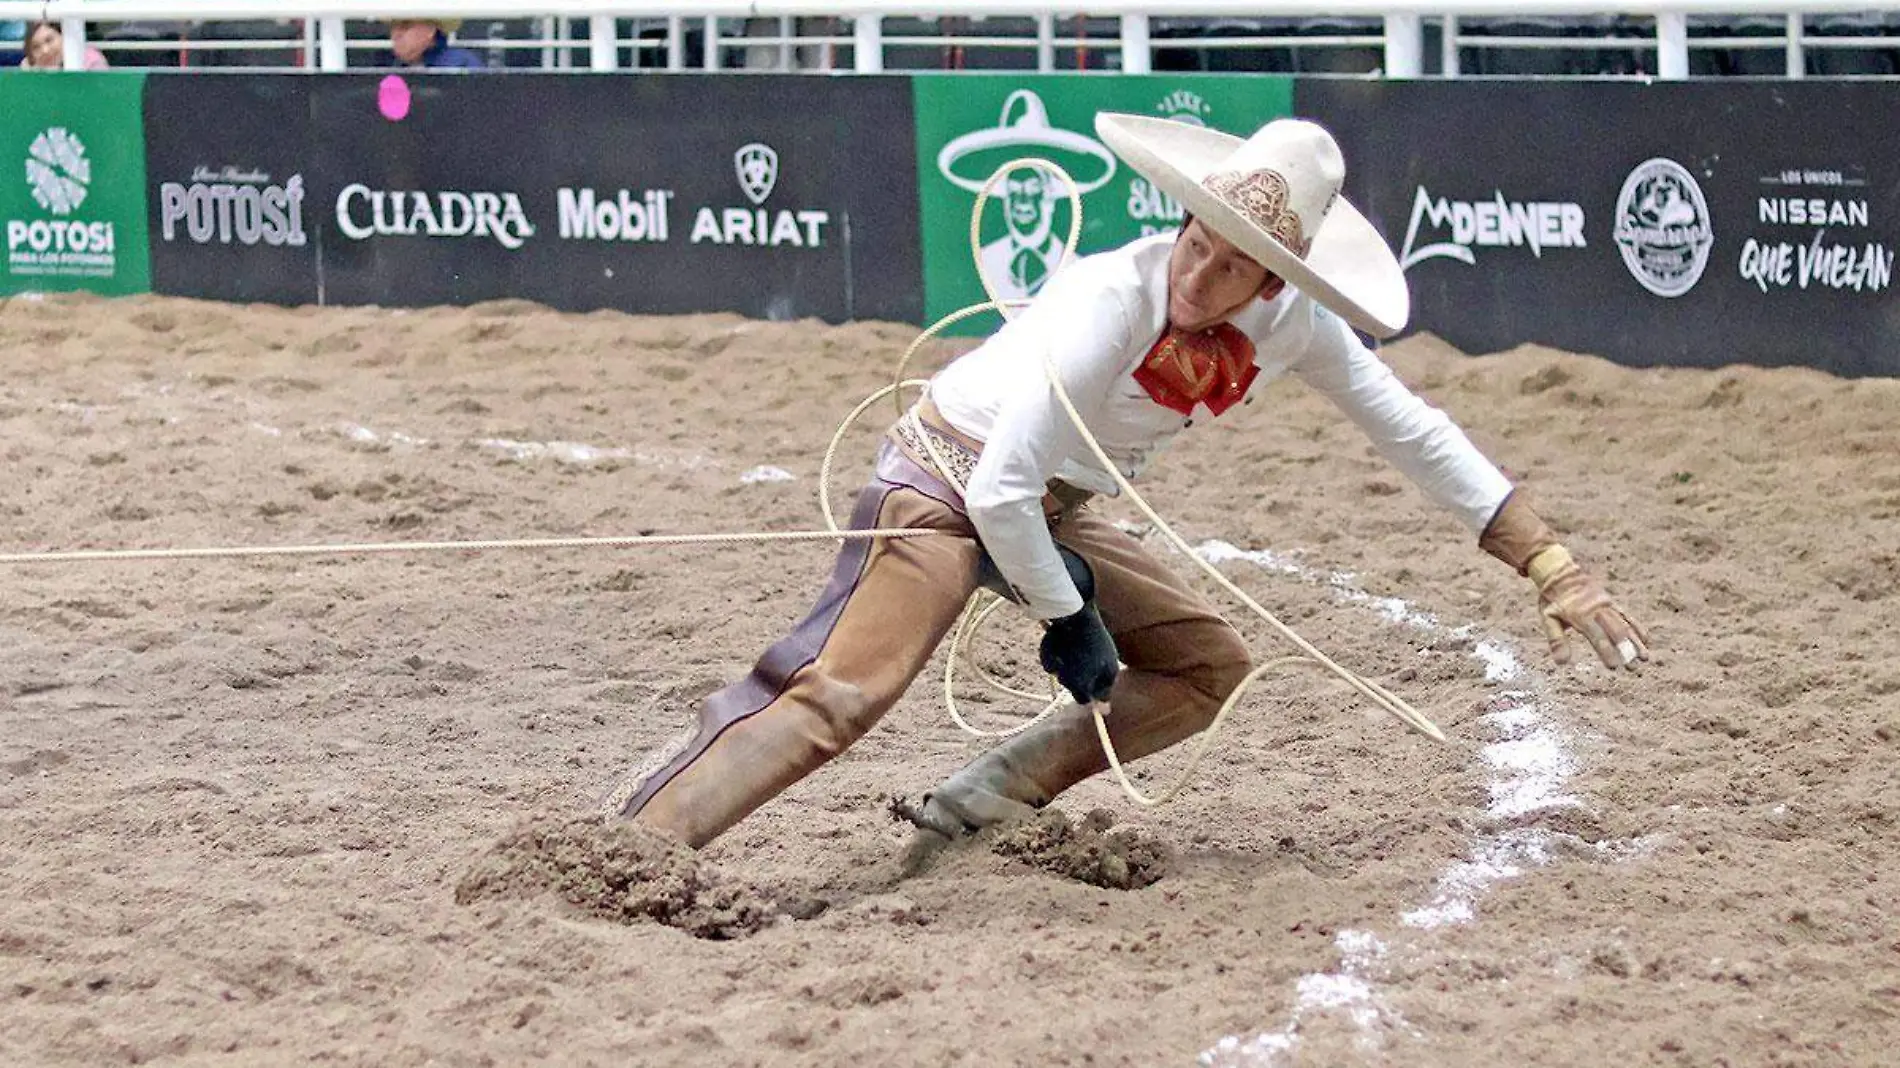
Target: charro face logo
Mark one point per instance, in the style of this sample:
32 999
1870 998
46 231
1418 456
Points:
58 171
757 165
1020 260
1663 227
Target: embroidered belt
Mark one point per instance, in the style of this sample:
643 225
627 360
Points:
961 460
958 457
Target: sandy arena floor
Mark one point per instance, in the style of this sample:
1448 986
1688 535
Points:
238 798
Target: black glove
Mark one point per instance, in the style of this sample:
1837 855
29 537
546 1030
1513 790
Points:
1079 652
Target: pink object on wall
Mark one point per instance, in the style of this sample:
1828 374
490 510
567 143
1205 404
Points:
392 98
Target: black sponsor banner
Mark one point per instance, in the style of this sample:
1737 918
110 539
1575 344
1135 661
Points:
1690 224
228 160
776 197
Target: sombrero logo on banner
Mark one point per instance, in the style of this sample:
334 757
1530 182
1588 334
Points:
1022 260
1663 227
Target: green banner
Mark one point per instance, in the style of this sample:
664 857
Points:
970 125
72 182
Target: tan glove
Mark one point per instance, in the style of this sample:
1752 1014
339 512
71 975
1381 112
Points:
1568 598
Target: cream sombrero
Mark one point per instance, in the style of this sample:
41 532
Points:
1275 195
447 25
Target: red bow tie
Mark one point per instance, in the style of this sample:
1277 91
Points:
1212 367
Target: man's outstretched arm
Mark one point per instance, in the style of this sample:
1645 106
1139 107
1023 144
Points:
1436 455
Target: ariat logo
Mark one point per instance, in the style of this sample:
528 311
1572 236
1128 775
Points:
757 167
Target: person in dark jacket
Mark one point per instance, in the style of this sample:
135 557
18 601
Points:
425 43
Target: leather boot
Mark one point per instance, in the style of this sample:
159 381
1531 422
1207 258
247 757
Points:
1029 770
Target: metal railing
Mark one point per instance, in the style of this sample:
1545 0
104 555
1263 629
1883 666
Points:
1670 39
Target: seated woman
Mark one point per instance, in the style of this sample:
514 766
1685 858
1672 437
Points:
45 45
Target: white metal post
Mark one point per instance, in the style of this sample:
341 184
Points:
1045 43
1448 47
867 44
1404 46
711 58
675 42
1672 45
1137 55
603 50
73 55
785 43
332 48
1797 49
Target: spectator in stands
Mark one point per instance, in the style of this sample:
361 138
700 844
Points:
425 43
12 42
45 46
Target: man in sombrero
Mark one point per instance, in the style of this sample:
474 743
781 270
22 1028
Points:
1271 273
424 43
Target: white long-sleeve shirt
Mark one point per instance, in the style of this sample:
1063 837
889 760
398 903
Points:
1098 318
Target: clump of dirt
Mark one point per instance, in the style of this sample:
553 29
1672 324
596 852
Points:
1088 852
620 872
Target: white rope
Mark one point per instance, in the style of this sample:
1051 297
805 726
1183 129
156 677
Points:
628 541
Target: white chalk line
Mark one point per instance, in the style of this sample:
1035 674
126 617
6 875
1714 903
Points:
360 436
1527 765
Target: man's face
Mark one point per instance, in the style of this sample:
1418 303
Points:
45 46
1025 196
1026 204
410 38
1209 279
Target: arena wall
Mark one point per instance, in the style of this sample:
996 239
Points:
1692 223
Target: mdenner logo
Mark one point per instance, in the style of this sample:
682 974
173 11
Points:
1494 223
362 212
